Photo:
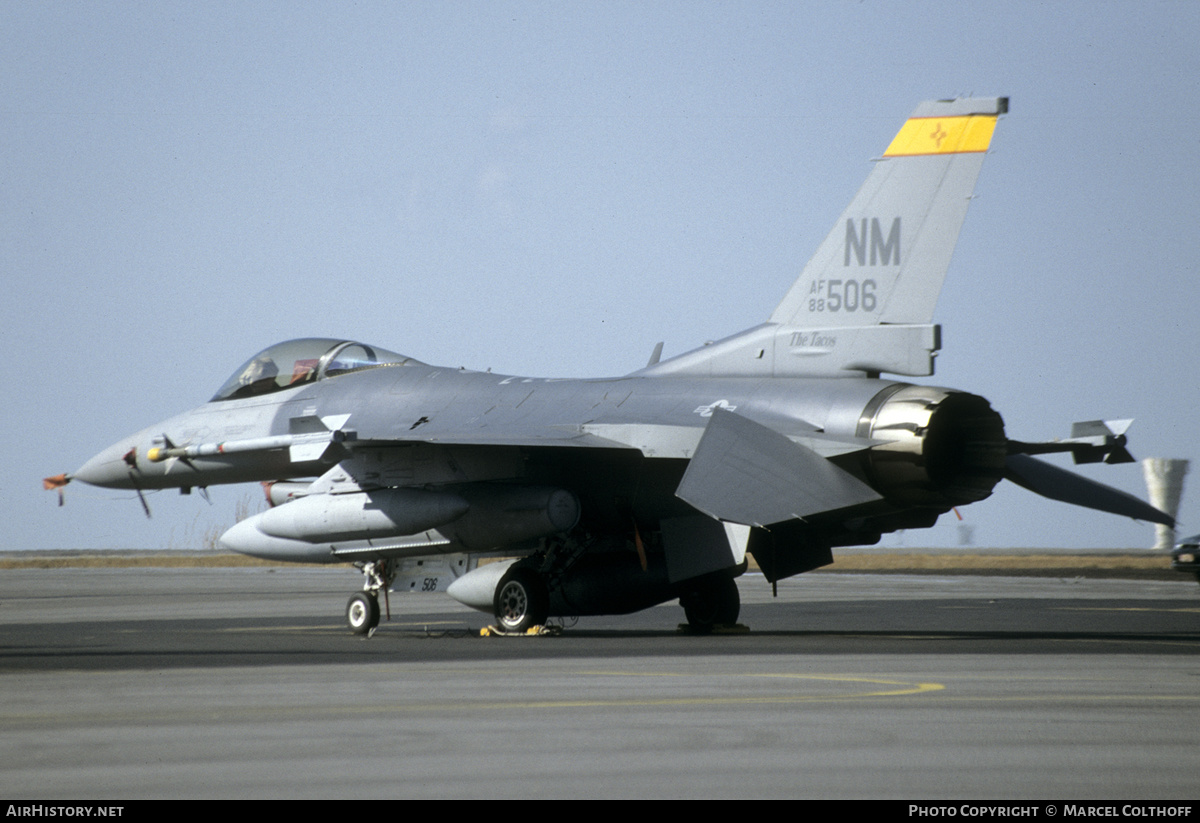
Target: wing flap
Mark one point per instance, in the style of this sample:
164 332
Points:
744 472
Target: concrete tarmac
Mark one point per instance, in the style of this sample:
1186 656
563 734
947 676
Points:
240 683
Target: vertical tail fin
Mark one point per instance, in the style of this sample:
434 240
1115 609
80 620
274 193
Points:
865 301
886 258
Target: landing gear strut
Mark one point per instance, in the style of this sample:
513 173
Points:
710 604
362 610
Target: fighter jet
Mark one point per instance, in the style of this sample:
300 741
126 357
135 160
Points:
783 441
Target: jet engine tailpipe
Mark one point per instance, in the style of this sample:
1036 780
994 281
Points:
942 447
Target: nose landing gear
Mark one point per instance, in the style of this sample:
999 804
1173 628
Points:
362 610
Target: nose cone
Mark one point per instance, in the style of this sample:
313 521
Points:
110 468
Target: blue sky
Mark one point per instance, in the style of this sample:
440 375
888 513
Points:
551 188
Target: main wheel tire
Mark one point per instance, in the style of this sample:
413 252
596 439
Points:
715 603
521 601
362 612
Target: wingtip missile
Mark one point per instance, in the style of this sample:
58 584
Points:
1091 441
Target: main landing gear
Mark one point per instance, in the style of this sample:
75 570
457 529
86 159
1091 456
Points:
521 601
711 604
522 597
362 610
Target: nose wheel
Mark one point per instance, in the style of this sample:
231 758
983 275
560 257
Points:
362 609
362 612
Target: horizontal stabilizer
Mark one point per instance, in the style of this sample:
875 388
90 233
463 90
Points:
1059 484
744 472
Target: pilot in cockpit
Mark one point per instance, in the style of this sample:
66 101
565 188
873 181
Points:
258 377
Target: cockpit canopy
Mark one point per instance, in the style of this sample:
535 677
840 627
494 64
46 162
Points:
306 360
